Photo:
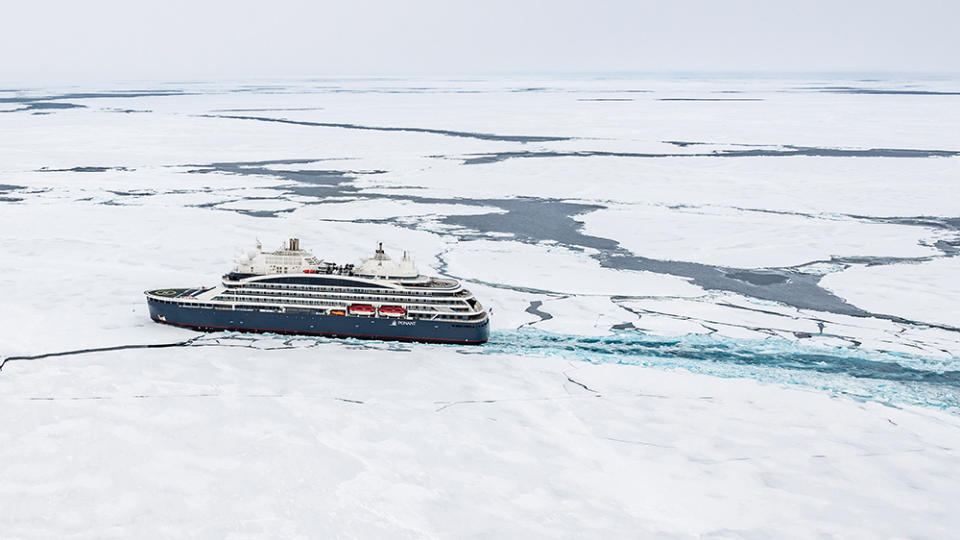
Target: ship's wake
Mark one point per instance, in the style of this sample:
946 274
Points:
886 377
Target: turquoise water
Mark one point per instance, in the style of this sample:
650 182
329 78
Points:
877 376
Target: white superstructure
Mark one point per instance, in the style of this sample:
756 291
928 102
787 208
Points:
289 259
292 279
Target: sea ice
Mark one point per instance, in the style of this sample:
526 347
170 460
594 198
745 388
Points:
744 239
557 269
924 291
608 403
328 441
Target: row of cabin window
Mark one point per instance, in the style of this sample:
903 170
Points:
337 304
227 298
357 298
326 288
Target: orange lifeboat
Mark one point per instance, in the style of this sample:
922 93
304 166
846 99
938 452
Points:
337 312
362 309
392 311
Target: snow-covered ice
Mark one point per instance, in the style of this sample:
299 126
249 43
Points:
348 441
554 268
711 318
920 290
728 237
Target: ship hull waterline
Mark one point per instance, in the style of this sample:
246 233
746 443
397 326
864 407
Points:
315 324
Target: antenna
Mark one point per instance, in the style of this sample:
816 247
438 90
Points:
380 255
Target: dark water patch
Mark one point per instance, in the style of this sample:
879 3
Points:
496 157
849 152
312 177
54 105
865 260
881 91
700 143
446 132
784 151
125 111
42 107
330 177
84 169
260 213
684 144
320 184
249 211
532 220
597 91
710 99
141 193
6 189
534 309
950 248
262 163
933 222
270 110
792 288
92 95
338 90
758 278
332 193
260 89
209 204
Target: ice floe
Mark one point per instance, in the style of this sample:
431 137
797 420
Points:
925 291
743 239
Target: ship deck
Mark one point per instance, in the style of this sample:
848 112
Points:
177 293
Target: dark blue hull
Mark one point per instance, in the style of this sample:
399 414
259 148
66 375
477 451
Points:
252 320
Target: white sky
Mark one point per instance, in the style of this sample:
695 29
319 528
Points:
178 39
